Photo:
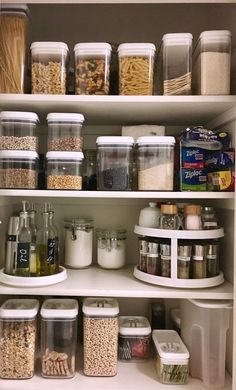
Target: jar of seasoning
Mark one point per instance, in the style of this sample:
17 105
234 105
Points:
199 261
143 250
165 254
193 217
212 255
153 258
111 248
169 217
184 257
209 220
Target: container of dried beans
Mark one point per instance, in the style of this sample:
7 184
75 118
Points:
58 337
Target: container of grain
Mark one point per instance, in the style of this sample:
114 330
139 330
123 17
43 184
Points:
92 68
18 130
100 325
64 132
17 338
211 63
136 67
58 337
49 67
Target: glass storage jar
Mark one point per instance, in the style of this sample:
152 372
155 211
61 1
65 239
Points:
111 248
18 130
100 336
64 170
18 338
192 214
169 217
64 132
49 67
209 220
92 68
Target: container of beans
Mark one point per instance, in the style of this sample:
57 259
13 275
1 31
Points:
100 326
17 338
58 337
92 68
136 67
17 130
49 67
64 132
18 169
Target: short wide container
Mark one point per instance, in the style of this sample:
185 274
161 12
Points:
111 248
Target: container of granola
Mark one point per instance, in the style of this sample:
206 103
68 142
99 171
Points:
17 338
92 68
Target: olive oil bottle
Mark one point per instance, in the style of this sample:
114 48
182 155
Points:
24 238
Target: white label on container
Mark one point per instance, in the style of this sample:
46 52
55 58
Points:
210 224
164 257
198 258
170 347
184 258
211 257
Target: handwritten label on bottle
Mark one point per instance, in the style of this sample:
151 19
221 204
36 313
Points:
51 250
11 237
23 254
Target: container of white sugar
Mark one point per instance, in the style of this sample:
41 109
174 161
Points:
111 248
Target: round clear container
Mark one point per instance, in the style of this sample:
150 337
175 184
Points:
49 67
111 248
64 132
64 170
18 169
136 68
17 130
155 159
92 68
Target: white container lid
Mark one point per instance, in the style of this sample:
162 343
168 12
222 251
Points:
65 156
155 140
115 140
59 308
19 308
19 115
21 154
211 304
177 39
49 47
65 117
107 307
92 48
170 347
136 49
215 34
134 326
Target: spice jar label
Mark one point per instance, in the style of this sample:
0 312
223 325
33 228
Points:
164 257
184 258
198 258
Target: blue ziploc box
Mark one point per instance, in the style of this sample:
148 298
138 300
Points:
192 157
193 179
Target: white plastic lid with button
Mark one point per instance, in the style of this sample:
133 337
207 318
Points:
19 308
114 140
65 117
177 39
139 49
134 326
170 347
49 47
100 307
94 48
59 308
19 116
61 156
156 140
18 154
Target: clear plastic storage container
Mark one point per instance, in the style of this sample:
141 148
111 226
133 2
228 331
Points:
111 248
18 338
155 159
211 63
100 326
49 67
64 132
18 130
134 338
92 68
136 68
58 337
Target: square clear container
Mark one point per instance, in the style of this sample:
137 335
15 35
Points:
171 357
115 163
100 326
64 132
18 169
134 338
155 161
64 170
49 67
58 337
136 68
18 130
92 68
17 338
211 63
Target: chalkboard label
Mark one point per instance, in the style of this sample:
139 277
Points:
51 250
23 254
11 237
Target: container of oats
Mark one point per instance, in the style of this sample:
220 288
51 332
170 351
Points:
58 337
92 68
18 130
17 338
100 326
49 67
136 68
64 132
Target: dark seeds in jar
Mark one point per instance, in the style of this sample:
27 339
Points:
92 77
114 179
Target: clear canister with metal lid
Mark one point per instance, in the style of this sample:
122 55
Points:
111 248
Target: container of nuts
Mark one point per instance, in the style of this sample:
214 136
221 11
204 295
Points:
17 338
64 132
100 326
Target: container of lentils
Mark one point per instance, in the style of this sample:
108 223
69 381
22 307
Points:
64 132
49 67
17 338
111 248
92 68
115 163
18 130
100 336
64 170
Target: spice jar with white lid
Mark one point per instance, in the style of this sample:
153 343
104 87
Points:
111 248
169 217
193 219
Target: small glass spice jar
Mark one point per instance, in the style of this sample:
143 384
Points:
209 220
212 256
184 257
192 214
111 248
169 217
199 262
153 260
143 250
165 254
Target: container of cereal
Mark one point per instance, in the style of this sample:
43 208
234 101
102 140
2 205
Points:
18 169
171 357
17 338
136 68
49 67
111 248
92 68
64 170
134 338
64 132
18 130
100 325
58 337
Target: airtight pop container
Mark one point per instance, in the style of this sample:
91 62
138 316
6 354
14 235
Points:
92 68
17 338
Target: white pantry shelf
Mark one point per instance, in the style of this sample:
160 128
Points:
120 1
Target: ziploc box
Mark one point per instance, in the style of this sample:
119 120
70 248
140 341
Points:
192 157
193 179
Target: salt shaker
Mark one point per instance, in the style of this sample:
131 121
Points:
192 214
169 218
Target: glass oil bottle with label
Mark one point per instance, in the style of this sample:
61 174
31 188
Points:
24 244
34 266
53 227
